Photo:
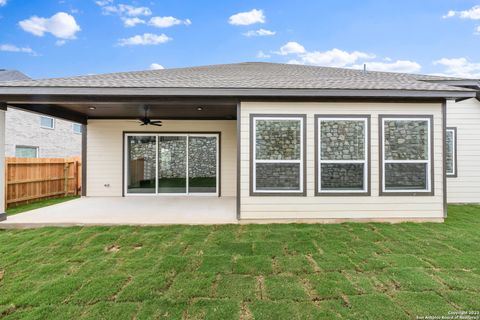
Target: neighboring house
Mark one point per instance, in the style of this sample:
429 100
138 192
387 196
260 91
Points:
30 135
290 142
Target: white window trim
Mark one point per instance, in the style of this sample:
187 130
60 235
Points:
44 127
29 147
320 161
255 161
454 153
73 128
428 161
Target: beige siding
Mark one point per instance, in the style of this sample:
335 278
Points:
105 151
465 116
311 207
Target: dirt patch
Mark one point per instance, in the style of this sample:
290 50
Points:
1 274
112 248
137 247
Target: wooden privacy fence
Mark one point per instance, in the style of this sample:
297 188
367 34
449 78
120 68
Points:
30 179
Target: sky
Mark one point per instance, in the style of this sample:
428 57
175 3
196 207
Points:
56 38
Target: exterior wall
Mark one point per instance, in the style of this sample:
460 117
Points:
23 129
334 207
465 116
105 151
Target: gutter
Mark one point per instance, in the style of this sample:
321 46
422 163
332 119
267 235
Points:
30 94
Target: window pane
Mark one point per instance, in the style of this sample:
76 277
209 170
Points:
278 176
406 176
172 164
342 139
202 164
141 164
46 122
25 152
77 128
450 151
406 139
278 139
344 176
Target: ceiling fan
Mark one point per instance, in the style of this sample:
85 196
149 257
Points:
145 121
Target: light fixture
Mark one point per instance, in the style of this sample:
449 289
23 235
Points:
199 108
92 108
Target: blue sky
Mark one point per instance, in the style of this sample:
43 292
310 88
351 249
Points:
52 38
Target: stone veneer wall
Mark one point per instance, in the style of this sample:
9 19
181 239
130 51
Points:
449 151
172 156
406 140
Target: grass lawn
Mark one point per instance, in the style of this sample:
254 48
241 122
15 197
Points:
38 204
347 271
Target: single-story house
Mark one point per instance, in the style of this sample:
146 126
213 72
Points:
290 142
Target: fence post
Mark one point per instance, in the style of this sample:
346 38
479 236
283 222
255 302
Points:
65 177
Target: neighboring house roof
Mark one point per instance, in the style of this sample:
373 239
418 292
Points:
12 75
244 79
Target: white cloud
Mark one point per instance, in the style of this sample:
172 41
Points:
166 22
262 55
403 66
156 66
342 59
102 3
473 13
14 48
132 22
126 10
334 57
61 25
145 39
60 43
3 2
291 48
459 67
247 18
259 33
477 30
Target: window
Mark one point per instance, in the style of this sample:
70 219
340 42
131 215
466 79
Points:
77 128
47 122
451 152
26 152
342 155
406 155
277 144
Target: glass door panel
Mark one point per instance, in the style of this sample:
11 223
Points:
202 164
172 164
141 164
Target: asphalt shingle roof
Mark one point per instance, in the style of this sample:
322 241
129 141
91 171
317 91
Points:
12 75
250 75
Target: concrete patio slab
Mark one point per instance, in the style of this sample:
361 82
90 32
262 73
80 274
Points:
134 210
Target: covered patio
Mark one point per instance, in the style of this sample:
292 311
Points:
132 210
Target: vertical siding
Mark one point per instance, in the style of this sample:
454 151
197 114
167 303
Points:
105 151
465 116
374 206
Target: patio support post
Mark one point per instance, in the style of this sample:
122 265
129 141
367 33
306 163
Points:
84 160
3 109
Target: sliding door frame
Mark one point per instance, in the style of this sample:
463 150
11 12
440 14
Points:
157 134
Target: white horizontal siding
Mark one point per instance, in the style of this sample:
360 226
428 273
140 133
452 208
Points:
105 151
465 116
324 207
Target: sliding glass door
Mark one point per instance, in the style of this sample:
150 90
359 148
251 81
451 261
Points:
172 164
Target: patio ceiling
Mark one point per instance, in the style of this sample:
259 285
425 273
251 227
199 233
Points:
82 108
